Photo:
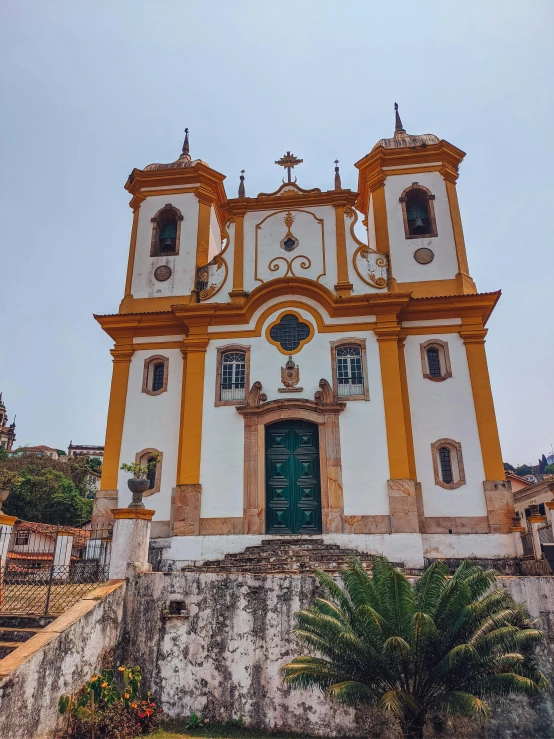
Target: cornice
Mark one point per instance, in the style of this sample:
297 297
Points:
294 201
391 308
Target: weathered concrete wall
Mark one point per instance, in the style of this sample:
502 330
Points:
223 658
58 660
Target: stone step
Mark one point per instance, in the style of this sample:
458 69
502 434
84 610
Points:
8 633
292 542
17 620
300 556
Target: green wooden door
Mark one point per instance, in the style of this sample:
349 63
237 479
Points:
293 495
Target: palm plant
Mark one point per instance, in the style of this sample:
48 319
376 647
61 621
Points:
438 647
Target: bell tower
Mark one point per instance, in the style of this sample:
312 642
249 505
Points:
407 187
177 228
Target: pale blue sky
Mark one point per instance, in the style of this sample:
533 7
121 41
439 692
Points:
92 88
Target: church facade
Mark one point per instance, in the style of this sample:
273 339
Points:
292 377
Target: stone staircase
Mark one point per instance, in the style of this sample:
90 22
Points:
284 556
16 629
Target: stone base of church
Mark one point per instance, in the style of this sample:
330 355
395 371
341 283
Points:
409 549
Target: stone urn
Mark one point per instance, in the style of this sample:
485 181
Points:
3 495
138 487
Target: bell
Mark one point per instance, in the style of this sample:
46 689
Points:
168 244
418 227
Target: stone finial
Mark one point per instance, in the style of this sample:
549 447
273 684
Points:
186 146
242 191
338 185
398 127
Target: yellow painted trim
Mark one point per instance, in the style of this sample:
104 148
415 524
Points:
302 343
343 286
429 288
6 520
395 418
407 411
132 250
192 403
380 219
433 330
203 233
550 505
144 514
465 283
147 192
122 355
474 340
412 170
238 256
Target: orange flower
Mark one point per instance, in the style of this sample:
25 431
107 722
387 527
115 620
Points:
134 705
121 669
149 712
104 685
126 695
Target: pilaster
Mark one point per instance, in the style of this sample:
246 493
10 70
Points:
238 292
464 282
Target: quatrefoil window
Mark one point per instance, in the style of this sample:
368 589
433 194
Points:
289 333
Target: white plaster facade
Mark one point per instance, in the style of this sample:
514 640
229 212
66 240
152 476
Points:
379 481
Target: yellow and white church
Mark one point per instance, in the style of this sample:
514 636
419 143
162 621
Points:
291 378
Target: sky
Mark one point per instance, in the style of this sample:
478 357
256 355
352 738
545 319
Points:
90 89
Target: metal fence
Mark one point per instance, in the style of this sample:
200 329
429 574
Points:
527 542
45 569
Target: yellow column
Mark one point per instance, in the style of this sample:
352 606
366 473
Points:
343 286
190 434
464 282
395 417
238 292
379 205
474 340
407 412
122 354
205 200
132 250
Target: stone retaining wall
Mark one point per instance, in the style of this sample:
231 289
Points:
221 658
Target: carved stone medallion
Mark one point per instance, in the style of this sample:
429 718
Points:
162 273
424 255
290 377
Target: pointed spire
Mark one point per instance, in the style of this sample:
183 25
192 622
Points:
338 185
398 127
186 148
242 191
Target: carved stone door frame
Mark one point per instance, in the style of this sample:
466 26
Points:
257 414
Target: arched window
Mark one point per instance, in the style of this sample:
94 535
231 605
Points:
158 376
232 374
348 360
166 230
435 360
448 465
152 459
418 212
155 375
151 463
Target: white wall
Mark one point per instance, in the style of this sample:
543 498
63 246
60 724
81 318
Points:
362 423
183 266
445 410
152 421
306 229
404 267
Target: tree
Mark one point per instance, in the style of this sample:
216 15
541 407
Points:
439 647
524 469
508 467
48 497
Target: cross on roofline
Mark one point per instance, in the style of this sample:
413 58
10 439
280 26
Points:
288 161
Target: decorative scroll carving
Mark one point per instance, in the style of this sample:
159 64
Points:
255 395
371 266
306 264
211 278
226 239
325 395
